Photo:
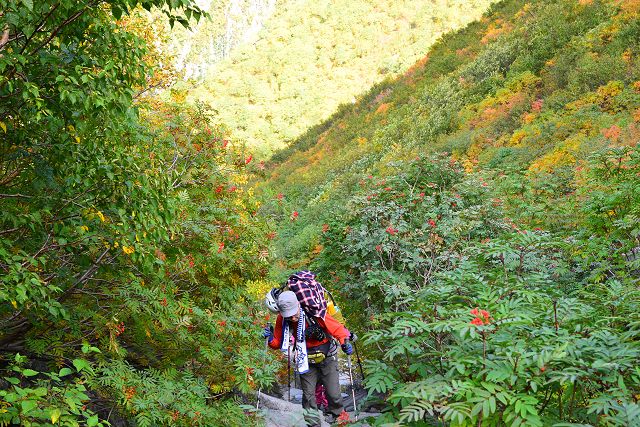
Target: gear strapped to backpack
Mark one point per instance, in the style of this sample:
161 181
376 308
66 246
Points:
314 331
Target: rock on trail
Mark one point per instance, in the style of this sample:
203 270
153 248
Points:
281 413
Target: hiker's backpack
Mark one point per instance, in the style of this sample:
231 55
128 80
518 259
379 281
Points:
310 293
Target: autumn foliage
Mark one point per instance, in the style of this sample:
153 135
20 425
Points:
486 233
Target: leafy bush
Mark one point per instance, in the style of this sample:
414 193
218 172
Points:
509 338
125 229
402 230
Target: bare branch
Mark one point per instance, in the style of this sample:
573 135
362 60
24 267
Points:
11 230
87 274
6 196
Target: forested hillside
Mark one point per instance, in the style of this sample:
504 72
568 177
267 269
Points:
479 216
312 56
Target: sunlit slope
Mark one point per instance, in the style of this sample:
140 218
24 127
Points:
527 94
313 56
497 178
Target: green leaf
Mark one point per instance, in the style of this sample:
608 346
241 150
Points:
93 421
12 380
55 415
28 405
486 409
492 404
81 364
28 4
65 371
40 391
476 409
29 373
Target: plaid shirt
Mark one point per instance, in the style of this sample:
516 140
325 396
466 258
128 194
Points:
310 293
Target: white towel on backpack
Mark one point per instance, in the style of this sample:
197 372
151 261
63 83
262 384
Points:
300 357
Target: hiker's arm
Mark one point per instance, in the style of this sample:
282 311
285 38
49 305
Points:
335 328
276 342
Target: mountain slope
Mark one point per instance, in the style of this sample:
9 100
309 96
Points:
312 56
524 89
478 216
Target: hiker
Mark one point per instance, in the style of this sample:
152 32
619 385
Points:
315 353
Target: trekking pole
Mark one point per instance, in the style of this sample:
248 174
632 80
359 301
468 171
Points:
358 360
354 343
289 370
266 348
353 390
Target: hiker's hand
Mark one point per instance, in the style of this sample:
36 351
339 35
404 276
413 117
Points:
347 348
353 337
268 332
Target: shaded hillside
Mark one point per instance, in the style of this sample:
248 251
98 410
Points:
312 56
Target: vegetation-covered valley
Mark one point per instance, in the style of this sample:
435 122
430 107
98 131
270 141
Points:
475 215
314 55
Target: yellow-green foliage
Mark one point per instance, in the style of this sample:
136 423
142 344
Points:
313 56
534 87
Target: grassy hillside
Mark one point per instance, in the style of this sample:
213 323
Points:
313 56
479 215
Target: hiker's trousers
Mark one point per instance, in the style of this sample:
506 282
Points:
325 373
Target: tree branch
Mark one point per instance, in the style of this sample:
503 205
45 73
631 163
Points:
39 27
61 26
87 274
6 196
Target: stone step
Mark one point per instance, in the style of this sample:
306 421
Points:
281 413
